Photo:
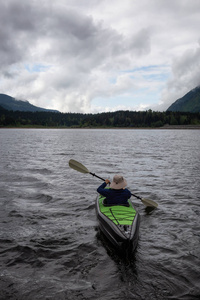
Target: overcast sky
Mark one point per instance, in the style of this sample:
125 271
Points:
91 56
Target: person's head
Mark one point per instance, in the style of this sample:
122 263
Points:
118 182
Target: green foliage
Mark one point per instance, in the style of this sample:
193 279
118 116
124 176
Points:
188 103
118 119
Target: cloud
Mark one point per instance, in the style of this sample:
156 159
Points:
185 77
67 54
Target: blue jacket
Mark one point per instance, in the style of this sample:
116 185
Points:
114 196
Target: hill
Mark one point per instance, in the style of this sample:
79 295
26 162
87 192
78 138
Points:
118 119
11 103
188 103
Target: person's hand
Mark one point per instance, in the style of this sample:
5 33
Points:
107 181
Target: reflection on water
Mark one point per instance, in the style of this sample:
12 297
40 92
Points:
50 244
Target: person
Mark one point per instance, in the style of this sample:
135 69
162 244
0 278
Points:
117 193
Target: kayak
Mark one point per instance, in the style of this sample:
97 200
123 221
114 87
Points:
119 223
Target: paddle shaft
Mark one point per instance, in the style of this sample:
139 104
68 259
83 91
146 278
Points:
82 169
150 202
136 196
104 180
96 176
146 202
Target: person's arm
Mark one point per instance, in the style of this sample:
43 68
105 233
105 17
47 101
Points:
128 193
101 189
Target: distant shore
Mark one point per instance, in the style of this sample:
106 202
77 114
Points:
187 127
180 127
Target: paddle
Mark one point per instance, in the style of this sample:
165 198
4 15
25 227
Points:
82 169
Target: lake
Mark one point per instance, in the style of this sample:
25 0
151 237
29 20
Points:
51 247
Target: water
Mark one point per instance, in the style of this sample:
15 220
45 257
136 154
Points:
50 245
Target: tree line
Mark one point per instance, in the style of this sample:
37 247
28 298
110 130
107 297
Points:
101 120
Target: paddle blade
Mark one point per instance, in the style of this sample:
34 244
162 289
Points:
78 166
149 203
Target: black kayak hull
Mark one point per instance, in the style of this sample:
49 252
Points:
119 224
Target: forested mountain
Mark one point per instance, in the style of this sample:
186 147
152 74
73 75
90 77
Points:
118 119
188 103
14 113
11 103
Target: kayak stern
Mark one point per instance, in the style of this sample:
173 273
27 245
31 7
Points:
119 223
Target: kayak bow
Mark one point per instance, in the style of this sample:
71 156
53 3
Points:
119 223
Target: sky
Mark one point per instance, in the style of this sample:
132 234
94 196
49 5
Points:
92 56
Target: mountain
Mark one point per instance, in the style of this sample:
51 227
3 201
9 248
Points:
11 103
188 103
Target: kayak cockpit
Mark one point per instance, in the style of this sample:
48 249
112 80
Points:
119 223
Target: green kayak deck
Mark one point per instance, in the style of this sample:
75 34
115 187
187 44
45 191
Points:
118 214
119 223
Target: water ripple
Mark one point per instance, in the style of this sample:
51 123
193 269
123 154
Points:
51 247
